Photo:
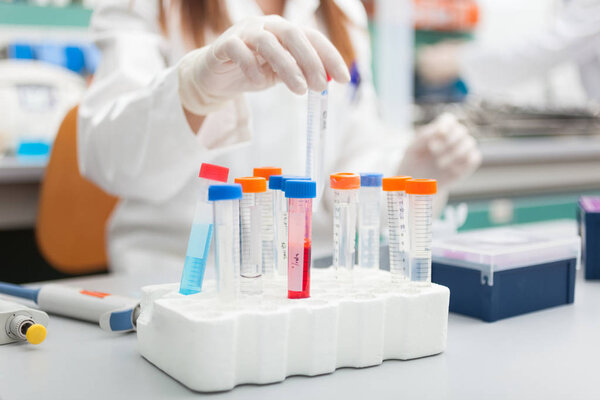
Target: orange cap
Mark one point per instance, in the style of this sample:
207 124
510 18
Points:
394 183
266 172
252 184
421 186
344 180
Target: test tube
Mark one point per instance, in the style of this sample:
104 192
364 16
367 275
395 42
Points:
369 223
268 218
253 189
420 221
277 183
299 194
226 214
345 196
316 130
201 231
397 227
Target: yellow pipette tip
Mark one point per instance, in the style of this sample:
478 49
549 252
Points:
36 334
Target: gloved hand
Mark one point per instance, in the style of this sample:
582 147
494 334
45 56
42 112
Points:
443 150
253 55
439 64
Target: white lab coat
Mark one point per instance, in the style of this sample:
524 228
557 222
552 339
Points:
135 143
573 36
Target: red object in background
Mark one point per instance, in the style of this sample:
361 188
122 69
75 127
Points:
446 15
305 293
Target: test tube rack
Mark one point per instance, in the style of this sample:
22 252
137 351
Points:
208 345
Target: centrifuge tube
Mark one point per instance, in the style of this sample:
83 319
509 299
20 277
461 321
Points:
316 130
369 210
345 196
201 232
226 209
253 189
276 183
268 234
299 194
420 222
397 227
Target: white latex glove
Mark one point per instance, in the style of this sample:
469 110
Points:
439 64
253 55
442 150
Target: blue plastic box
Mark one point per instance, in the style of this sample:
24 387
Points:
503 272
589 228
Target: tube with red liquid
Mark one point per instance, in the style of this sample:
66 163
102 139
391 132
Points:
300 195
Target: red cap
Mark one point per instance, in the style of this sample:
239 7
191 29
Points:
214 172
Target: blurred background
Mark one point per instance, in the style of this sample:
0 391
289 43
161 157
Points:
540 138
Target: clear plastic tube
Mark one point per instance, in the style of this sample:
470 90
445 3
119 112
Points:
398 236
420 222
316 131
269 253
369 225
300 245
345 198
282 231
227 248
251 243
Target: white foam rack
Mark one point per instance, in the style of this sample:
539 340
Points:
211 346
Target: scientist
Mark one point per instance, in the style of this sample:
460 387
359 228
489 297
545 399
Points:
489 70
183 82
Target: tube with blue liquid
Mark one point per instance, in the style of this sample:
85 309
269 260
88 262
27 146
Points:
202 230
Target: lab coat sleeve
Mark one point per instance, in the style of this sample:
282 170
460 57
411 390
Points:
133 138
574 35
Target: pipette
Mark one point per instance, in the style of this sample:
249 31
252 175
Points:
369 210
201 232
226 217
420 221
268 218
299 194
253 189
114 313
316 131
345 196
20 323
397 227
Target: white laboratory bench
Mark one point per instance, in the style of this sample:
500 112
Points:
550 354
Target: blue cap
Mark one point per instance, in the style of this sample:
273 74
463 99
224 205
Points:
300 189
370 179
225 192
277 182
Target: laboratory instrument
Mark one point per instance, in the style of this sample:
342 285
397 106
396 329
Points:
369 220
420 222
277 184
300 195
226 214
201 232
112 312
345 197
268 226
20 323
397 226
316 134
501 272
253 191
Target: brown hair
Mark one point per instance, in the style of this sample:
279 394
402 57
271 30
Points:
199 15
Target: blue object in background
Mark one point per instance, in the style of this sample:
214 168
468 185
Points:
33 149
51 53
91 58
21 51
514 291
74 58
588 211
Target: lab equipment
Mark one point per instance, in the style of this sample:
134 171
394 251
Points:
253 191
345 197
369 222
277 184
201 232
299 194
226 214
268 226
397 226
316 133
420 222
497 273
112 312
19 323
588 211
